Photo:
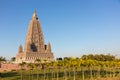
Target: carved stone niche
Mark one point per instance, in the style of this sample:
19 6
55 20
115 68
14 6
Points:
33 47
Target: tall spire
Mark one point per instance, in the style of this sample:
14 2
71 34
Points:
34 38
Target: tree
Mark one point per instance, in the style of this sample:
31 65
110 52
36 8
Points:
99 57
13 58
74 64
22 67
53 65
65 65
1 60
37 65
44 66
31 67
82 65
90 64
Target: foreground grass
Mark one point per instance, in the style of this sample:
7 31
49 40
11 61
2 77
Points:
51 74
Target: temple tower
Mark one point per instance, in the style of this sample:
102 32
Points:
34 47
34 38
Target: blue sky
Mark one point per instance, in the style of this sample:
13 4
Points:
74 27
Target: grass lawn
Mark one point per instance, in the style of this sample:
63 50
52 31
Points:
50 74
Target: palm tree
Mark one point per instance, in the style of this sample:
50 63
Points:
57 68
44 66
90 65
119 68
53 65
113 64
110 68
98 64
69 66
48 70
77 65
60 65
22 67
65 66
82 65
37 65
107 68
31 67
73 64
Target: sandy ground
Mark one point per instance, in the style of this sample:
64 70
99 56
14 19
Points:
115 78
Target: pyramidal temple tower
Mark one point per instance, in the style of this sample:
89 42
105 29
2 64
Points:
34 47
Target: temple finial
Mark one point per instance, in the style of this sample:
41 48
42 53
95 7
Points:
34 15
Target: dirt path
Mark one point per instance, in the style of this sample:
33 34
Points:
115 78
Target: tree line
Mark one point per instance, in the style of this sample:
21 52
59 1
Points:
88 67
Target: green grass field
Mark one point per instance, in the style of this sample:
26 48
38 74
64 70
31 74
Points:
50 74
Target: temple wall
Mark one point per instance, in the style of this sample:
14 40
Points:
9 67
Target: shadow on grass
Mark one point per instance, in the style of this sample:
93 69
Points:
9 74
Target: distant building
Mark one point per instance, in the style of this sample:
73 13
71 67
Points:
34 47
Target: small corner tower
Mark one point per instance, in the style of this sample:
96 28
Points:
20 49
